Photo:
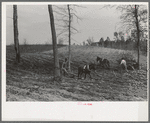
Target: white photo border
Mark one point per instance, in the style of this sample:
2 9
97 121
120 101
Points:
69 111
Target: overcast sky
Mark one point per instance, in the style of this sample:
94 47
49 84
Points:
34 23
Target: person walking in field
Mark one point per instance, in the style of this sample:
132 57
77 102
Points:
123 64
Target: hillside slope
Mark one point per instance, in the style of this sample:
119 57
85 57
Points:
32 79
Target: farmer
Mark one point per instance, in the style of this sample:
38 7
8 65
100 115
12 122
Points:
65 66
123 64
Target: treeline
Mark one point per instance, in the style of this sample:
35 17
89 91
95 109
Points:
125 45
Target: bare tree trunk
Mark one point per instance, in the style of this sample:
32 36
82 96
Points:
55 52
16 40
138 35
69 68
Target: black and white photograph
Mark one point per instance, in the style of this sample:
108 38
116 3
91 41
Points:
85 53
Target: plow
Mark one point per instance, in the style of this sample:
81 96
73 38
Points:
69 73
72 75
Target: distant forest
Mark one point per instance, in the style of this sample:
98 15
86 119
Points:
126 45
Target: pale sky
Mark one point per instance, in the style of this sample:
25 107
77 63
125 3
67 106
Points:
34 23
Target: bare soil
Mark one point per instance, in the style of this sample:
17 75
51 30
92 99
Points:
32 80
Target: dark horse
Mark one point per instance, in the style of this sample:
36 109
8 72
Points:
81 70
103 62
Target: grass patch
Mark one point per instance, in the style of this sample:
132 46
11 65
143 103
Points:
82 54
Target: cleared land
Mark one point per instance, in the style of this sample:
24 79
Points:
32 79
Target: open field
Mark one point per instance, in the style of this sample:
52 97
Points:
31 48
31 80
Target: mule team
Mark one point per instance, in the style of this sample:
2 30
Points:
92 66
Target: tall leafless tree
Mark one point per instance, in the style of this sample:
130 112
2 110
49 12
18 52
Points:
101 41
90 40
67 28
133 17
16 40
138 33
54 40
116 35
